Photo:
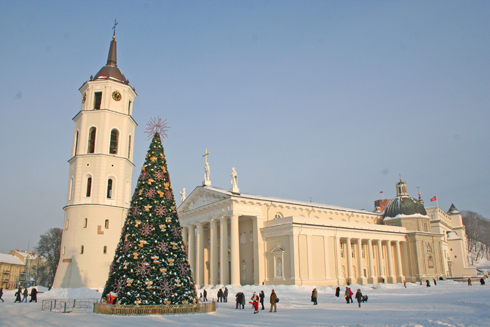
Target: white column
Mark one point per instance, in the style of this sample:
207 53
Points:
200 255
309 257
349 261
338 246
213 260
399 262
327 257
235 251
223 258
258 248
371 279
380 259
391 276
184 235
192 250
294 259
361 280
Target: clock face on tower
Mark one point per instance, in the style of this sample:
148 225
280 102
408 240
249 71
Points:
116 95
84 97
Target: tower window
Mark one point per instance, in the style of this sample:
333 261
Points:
109 188
97 100
76 144
129 148
91 140
89 186
114 139
105 249
107 224
86 223
82 249
129 108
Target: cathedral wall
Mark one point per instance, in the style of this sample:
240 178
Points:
278 248
246 252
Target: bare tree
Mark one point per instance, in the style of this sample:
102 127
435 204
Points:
49 248
478 233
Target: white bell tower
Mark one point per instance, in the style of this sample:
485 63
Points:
99 185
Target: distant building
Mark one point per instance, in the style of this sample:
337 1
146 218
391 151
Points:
33 263
11 271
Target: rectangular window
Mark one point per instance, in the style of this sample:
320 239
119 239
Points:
99 230
86 223
107 224
97 100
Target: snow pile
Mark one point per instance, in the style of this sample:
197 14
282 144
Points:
70 293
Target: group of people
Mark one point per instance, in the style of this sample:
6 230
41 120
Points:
348 295
21 295
223 295
255 300
482 281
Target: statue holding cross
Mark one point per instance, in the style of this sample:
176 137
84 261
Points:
206 169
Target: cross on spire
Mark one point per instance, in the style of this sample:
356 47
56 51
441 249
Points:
114 28
205 155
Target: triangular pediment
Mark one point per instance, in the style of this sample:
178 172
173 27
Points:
203 196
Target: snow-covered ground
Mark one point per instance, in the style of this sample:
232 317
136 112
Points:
449 303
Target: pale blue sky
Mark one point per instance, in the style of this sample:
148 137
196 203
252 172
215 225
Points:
321 99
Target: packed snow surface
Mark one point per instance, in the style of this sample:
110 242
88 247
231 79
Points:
450 303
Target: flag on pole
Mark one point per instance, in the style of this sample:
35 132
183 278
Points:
380 191
433 199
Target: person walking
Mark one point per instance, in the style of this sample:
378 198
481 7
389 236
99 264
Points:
273 300
427 283
1 294
482 282
314 296
18 294
405 283
205 296
33 295
337 291
220 295
255 301
359 297
435 283
348 295
225 294
26 293
469 281
262 297
242 299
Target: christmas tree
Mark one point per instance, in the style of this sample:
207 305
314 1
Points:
150 265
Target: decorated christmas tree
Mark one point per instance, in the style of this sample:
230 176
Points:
150 265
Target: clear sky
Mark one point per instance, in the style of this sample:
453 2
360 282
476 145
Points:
328 100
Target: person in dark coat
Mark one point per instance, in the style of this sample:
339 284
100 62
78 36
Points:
33 295
242 299
482 282
314 296
435 283
225 295
1 294
205 296
18 295
237 300
427 283
469 281
262 297
337 291
359 297
25 293
220 295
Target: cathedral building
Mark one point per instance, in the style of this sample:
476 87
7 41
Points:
101 168
237 238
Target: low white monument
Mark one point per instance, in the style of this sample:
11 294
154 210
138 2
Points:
207 181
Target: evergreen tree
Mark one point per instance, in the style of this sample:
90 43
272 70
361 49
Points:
150 265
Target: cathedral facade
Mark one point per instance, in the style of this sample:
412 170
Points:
236 238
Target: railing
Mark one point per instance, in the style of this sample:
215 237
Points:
69 305
132 310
